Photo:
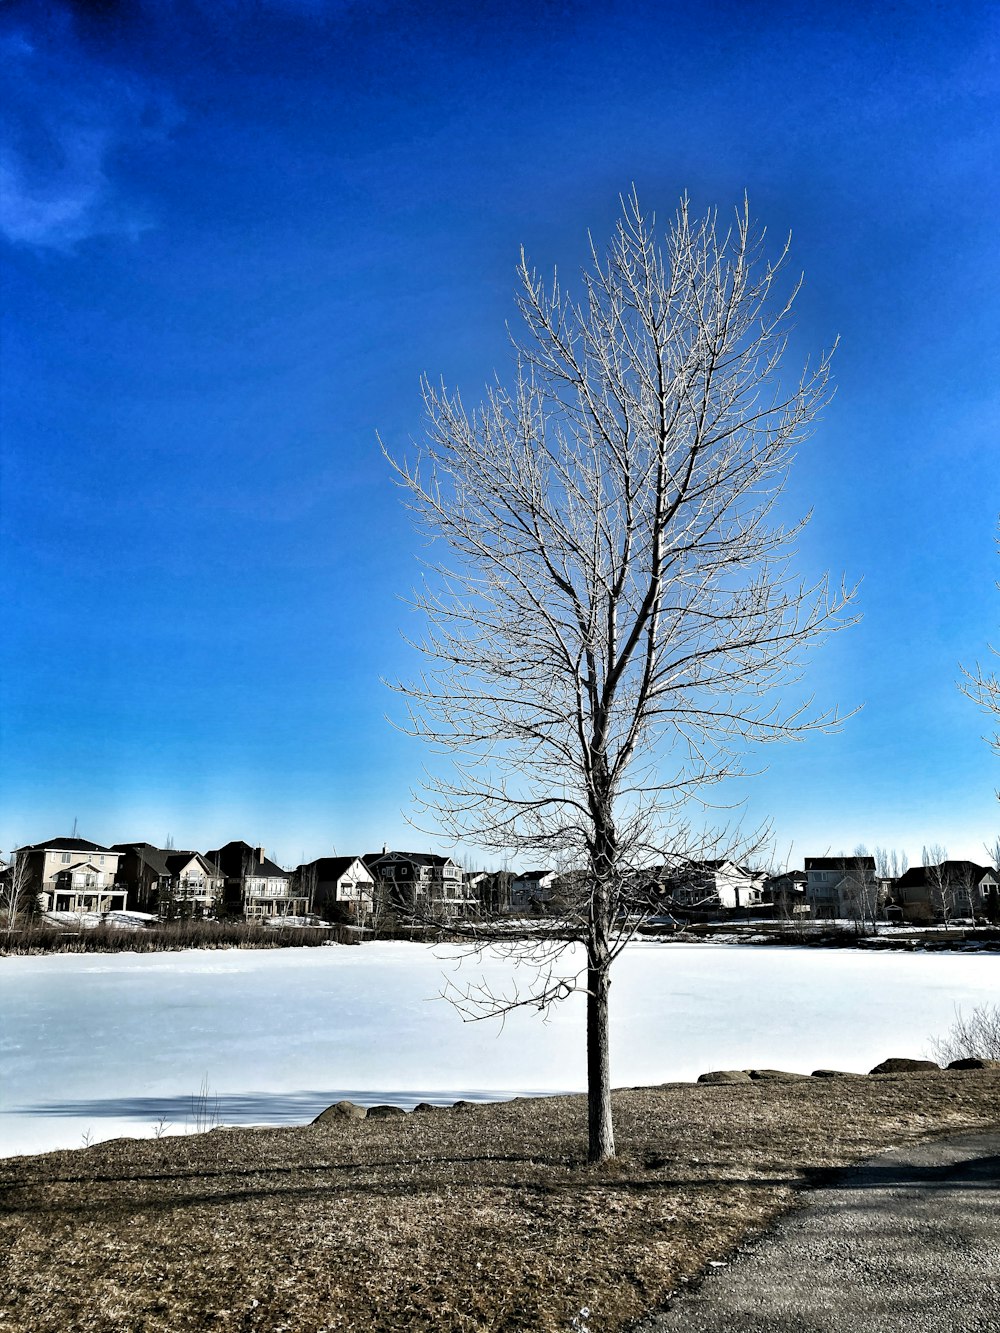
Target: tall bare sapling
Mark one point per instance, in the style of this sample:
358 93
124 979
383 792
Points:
609 608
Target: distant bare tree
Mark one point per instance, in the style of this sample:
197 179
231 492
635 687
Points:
890 864
943 889
613 605
861 890
15 889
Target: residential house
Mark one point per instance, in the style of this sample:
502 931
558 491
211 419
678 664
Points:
708 886
492 889
947 890
254 885
842 886
786 892
532 889
330 882
169 882
73 875
421 883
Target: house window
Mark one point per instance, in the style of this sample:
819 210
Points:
65 858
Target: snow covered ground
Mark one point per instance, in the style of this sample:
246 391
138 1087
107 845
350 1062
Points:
95 1046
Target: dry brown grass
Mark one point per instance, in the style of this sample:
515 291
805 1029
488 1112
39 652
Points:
484 1219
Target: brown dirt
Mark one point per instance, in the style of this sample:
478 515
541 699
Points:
487 1219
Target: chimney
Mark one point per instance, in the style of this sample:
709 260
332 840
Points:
260 855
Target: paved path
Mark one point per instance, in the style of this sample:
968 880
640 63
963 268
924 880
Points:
907 1243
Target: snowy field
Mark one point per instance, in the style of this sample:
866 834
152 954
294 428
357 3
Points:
96 1046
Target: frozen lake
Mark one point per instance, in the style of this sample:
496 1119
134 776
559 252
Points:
102 1045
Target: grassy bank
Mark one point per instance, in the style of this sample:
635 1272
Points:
453 1220
41 937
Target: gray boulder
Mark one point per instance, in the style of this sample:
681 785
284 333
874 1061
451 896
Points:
834 1073
776 1076
341 1111
463 1106
974 1062
384 1112
426 1108
901 1065
725 1076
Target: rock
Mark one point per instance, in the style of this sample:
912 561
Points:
834 1073
901 1065
384 1112
776 1076
463 1106
426 1108
974 1062
341 1111
725 1076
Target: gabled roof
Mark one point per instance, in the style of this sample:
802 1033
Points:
418 858
331 867
947 872
80 865
532 874
239 859
65 845
267 869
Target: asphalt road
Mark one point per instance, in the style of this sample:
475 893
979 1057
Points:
909 1241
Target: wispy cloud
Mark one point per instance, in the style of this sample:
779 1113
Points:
67 118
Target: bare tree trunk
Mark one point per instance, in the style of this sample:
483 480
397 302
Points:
604 857
601 1132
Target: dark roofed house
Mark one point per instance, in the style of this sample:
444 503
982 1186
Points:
333 884
73 875
169 882
842 886
254 885
421 882
532 889
947 890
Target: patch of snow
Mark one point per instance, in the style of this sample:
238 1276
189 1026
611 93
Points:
90 920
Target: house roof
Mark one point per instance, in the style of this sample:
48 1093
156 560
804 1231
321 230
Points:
948 872
533 874
418 858
839 862
331 867
65 845
240 859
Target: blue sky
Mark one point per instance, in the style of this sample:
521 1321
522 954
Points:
235 236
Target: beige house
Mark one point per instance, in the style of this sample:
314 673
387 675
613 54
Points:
74 875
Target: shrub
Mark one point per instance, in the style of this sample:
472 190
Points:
972 1036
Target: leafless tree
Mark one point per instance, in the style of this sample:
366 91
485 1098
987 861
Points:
15 888
943 888
612 607
861 890
890 864
983 688
971 1036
